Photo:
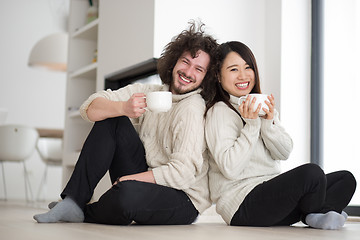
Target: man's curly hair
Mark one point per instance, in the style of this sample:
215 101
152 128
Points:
191 40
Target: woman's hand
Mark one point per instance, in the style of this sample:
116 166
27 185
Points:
246 108
135 106
271 104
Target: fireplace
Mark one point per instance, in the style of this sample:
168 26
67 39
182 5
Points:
143 72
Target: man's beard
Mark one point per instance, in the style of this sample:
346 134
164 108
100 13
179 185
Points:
179 90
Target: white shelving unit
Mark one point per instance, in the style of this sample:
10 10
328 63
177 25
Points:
120 40
81 81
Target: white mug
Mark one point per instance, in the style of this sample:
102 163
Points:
159 101
260 98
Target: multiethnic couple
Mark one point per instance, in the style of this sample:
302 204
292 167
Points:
207 149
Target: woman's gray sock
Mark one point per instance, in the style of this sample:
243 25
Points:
345 215
330 220
64 211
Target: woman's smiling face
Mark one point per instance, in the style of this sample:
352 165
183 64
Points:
237 77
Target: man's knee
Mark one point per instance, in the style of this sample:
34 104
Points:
129 195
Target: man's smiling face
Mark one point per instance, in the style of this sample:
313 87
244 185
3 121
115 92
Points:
189 72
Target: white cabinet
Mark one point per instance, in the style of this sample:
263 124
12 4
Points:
81 80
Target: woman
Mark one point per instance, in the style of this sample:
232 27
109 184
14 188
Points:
245 149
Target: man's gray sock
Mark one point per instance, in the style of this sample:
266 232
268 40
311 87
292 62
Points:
52 204
64 211
330 220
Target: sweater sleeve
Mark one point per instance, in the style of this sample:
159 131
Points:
185 161
276 139
122 94
230 143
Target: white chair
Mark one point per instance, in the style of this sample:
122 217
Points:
17 143
50 151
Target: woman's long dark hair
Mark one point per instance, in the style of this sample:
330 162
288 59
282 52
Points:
213 91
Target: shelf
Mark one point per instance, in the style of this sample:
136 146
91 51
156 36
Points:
89 31
88 71
81 81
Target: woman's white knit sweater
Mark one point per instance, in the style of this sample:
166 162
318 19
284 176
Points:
174 141
241 157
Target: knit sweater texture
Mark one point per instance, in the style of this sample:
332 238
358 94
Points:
241 156
174 141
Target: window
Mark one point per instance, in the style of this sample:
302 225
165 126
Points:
341 88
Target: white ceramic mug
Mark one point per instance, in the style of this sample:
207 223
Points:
159 101
260 98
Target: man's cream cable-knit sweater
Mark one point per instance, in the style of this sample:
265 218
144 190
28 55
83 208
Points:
241 157
174 141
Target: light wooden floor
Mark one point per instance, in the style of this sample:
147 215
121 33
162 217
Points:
16 222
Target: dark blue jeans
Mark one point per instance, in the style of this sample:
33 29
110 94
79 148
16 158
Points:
289 197
114 145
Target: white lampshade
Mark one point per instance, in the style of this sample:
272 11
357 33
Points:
50 52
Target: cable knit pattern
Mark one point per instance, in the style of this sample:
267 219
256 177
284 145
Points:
174 141
241 157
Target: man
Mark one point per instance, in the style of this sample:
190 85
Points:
159 175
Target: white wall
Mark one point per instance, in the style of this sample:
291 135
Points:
226 20
32 97
122 44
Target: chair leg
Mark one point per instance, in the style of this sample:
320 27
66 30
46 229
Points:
42 187
4 183
27 184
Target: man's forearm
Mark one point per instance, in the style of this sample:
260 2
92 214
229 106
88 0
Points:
102 108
